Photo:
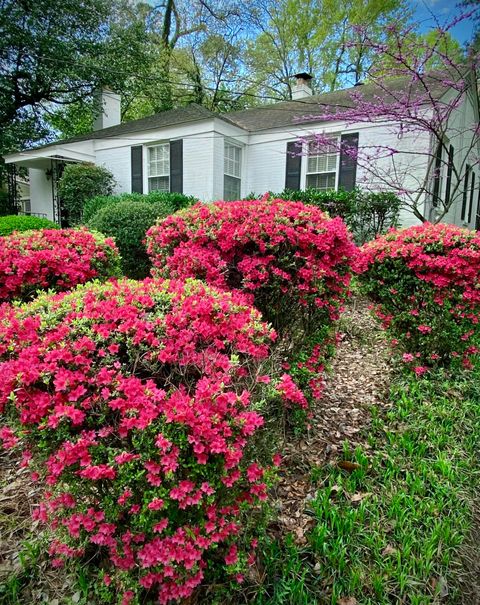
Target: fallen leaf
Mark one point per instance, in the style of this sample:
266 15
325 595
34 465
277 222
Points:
359 497
389 550
346 465
347 601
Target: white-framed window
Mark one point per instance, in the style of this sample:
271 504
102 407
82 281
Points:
322 166
232 171
159 167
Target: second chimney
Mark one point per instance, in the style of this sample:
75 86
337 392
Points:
302 88
109 106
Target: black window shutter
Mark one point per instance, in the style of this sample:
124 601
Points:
436 176
293 166
472 189
137 169
477 219
176 166
448 185
348 161
465 192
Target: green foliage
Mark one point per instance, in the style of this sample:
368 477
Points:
49 50
336 203
127 222
326 39
171 202
79 183
9 224
5 206
425 283
399 543
367 214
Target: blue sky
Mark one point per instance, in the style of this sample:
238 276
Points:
443 10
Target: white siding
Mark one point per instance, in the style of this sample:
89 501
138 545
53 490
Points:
461 124
263 159
267 159
198 154
117 160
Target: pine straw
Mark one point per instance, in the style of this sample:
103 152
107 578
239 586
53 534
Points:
25 572
359 378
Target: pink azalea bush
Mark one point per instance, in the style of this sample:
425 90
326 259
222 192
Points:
425 281
290 259
133 405
57 259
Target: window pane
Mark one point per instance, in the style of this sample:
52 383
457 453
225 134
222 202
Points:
159 183
231 188
232 160
159 160
326 162
321 181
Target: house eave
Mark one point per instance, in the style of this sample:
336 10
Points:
41 158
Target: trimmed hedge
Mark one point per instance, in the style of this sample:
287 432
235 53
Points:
127 222
140 426
11 223
426 283
171 201
53 259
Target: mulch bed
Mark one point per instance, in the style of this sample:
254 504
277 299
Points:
359 379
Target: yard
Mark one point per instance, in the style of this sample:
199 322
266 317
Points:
181 450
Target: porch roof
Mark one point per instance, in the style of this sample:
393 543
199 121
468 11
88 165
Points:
42 157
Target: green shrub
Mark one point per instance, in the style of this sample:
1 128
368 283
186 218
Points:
9 224
336 203
127 222
367 214
374 214
171 201
79 183
5 205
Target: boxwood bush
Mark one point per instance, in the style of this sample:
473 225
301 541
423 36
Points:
127 222
171 201
11 223
132 403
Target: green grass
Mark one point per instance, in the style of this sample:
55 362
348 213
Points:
399 542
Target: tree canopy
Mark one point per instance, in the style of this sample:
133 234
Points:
54 55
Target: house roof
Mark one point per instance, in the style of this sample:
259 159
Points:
263 117
171 117
310 109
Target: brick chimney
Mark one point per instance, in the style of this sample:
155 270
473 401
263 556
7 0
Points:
302 88
109 105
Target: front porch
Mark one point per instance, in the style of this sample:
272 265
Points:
45 167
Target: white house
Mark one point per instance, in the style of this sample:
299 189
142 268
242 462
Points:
227 156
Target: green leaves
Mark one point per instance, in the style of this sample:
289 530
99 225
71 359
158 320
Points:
79 183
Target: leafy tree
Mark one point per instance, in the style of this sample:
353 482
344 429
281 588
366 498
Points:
327 39
418 104
46 56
